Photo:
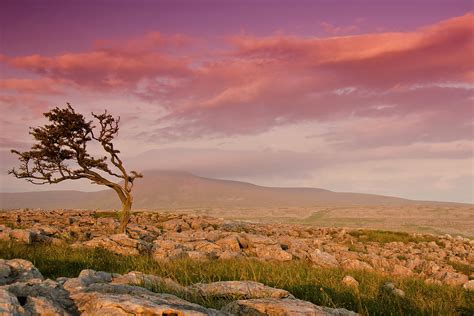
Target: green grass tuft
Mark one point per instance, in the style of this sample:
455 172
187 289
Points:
463 268
106 214
320 286
383 236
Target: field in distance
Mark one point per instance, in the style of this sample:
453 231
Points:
454 220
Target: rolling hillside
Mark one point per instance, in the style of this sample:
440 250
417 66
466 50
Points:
175 189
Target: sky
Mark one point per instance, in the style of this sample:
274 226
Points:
354 96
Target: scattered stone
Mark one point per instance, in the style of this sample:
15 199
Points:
392 289
350 281
323 259
398 292
400 270
389 286
453 278
22 235
354 264
469 285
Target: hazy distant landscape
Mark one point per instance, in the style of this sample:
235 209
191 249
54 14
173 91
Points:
183 192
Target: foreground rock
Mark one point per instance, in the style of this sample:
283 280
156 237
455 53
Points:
26 292
238 289
282 307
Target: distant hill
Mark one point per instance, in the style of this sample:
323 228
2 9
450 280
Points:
176 189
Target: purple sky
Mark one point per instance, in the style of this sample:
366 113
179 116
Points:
366 96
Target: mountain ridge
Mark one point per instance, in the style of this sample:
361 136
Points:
161 189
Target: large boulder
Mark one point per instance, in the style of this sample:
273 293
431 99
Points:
35 297
22 235
17 270
95 293
168 249
263 247
120 244
323 259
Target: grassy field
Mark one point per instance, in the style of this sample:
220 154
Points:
320 286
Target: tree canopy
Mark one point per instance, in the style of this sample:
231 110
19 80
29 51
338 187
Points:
60 153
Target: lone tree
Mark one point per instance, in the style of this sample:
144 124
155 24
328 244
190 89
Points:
60 153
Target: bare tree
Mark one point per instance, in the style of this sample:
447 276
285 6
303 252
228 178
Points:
60 153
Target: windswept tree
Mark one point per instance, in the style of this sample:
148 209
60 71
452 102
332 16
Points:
60 153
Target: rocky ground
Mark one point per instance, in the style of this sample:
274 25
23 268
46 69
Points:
170 236
24 291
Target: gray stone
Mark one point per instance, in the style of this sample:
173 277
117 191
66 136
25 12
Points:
281 307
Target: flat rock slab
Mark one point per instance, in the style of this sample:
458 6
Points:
282 307
238 289
94 293
94 303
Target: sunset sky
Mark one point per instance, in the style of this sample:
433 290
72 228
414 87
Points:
360 96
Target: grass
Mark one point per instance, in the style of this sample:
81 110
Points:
383 236
106 214
320 286
462 267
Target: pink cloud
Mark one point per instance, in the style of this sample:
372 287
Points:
39 86
262 82
103 69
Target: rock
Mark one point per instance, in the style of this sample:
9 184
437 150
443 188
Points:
38 297
22 235
354 264
229 243
176 225
226 255
469 285
281 307
94 293
197 255
389 286
238 289
433 281
167 249
263 247
9 304
400 270
323 259
350 281
398 292
96 303
453 278
47 229
272 252
148 281
44 306
5 272
392 289
5 233
17 270
252 240
119 243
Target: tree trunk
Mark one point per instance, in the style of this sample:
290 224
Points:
125 214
